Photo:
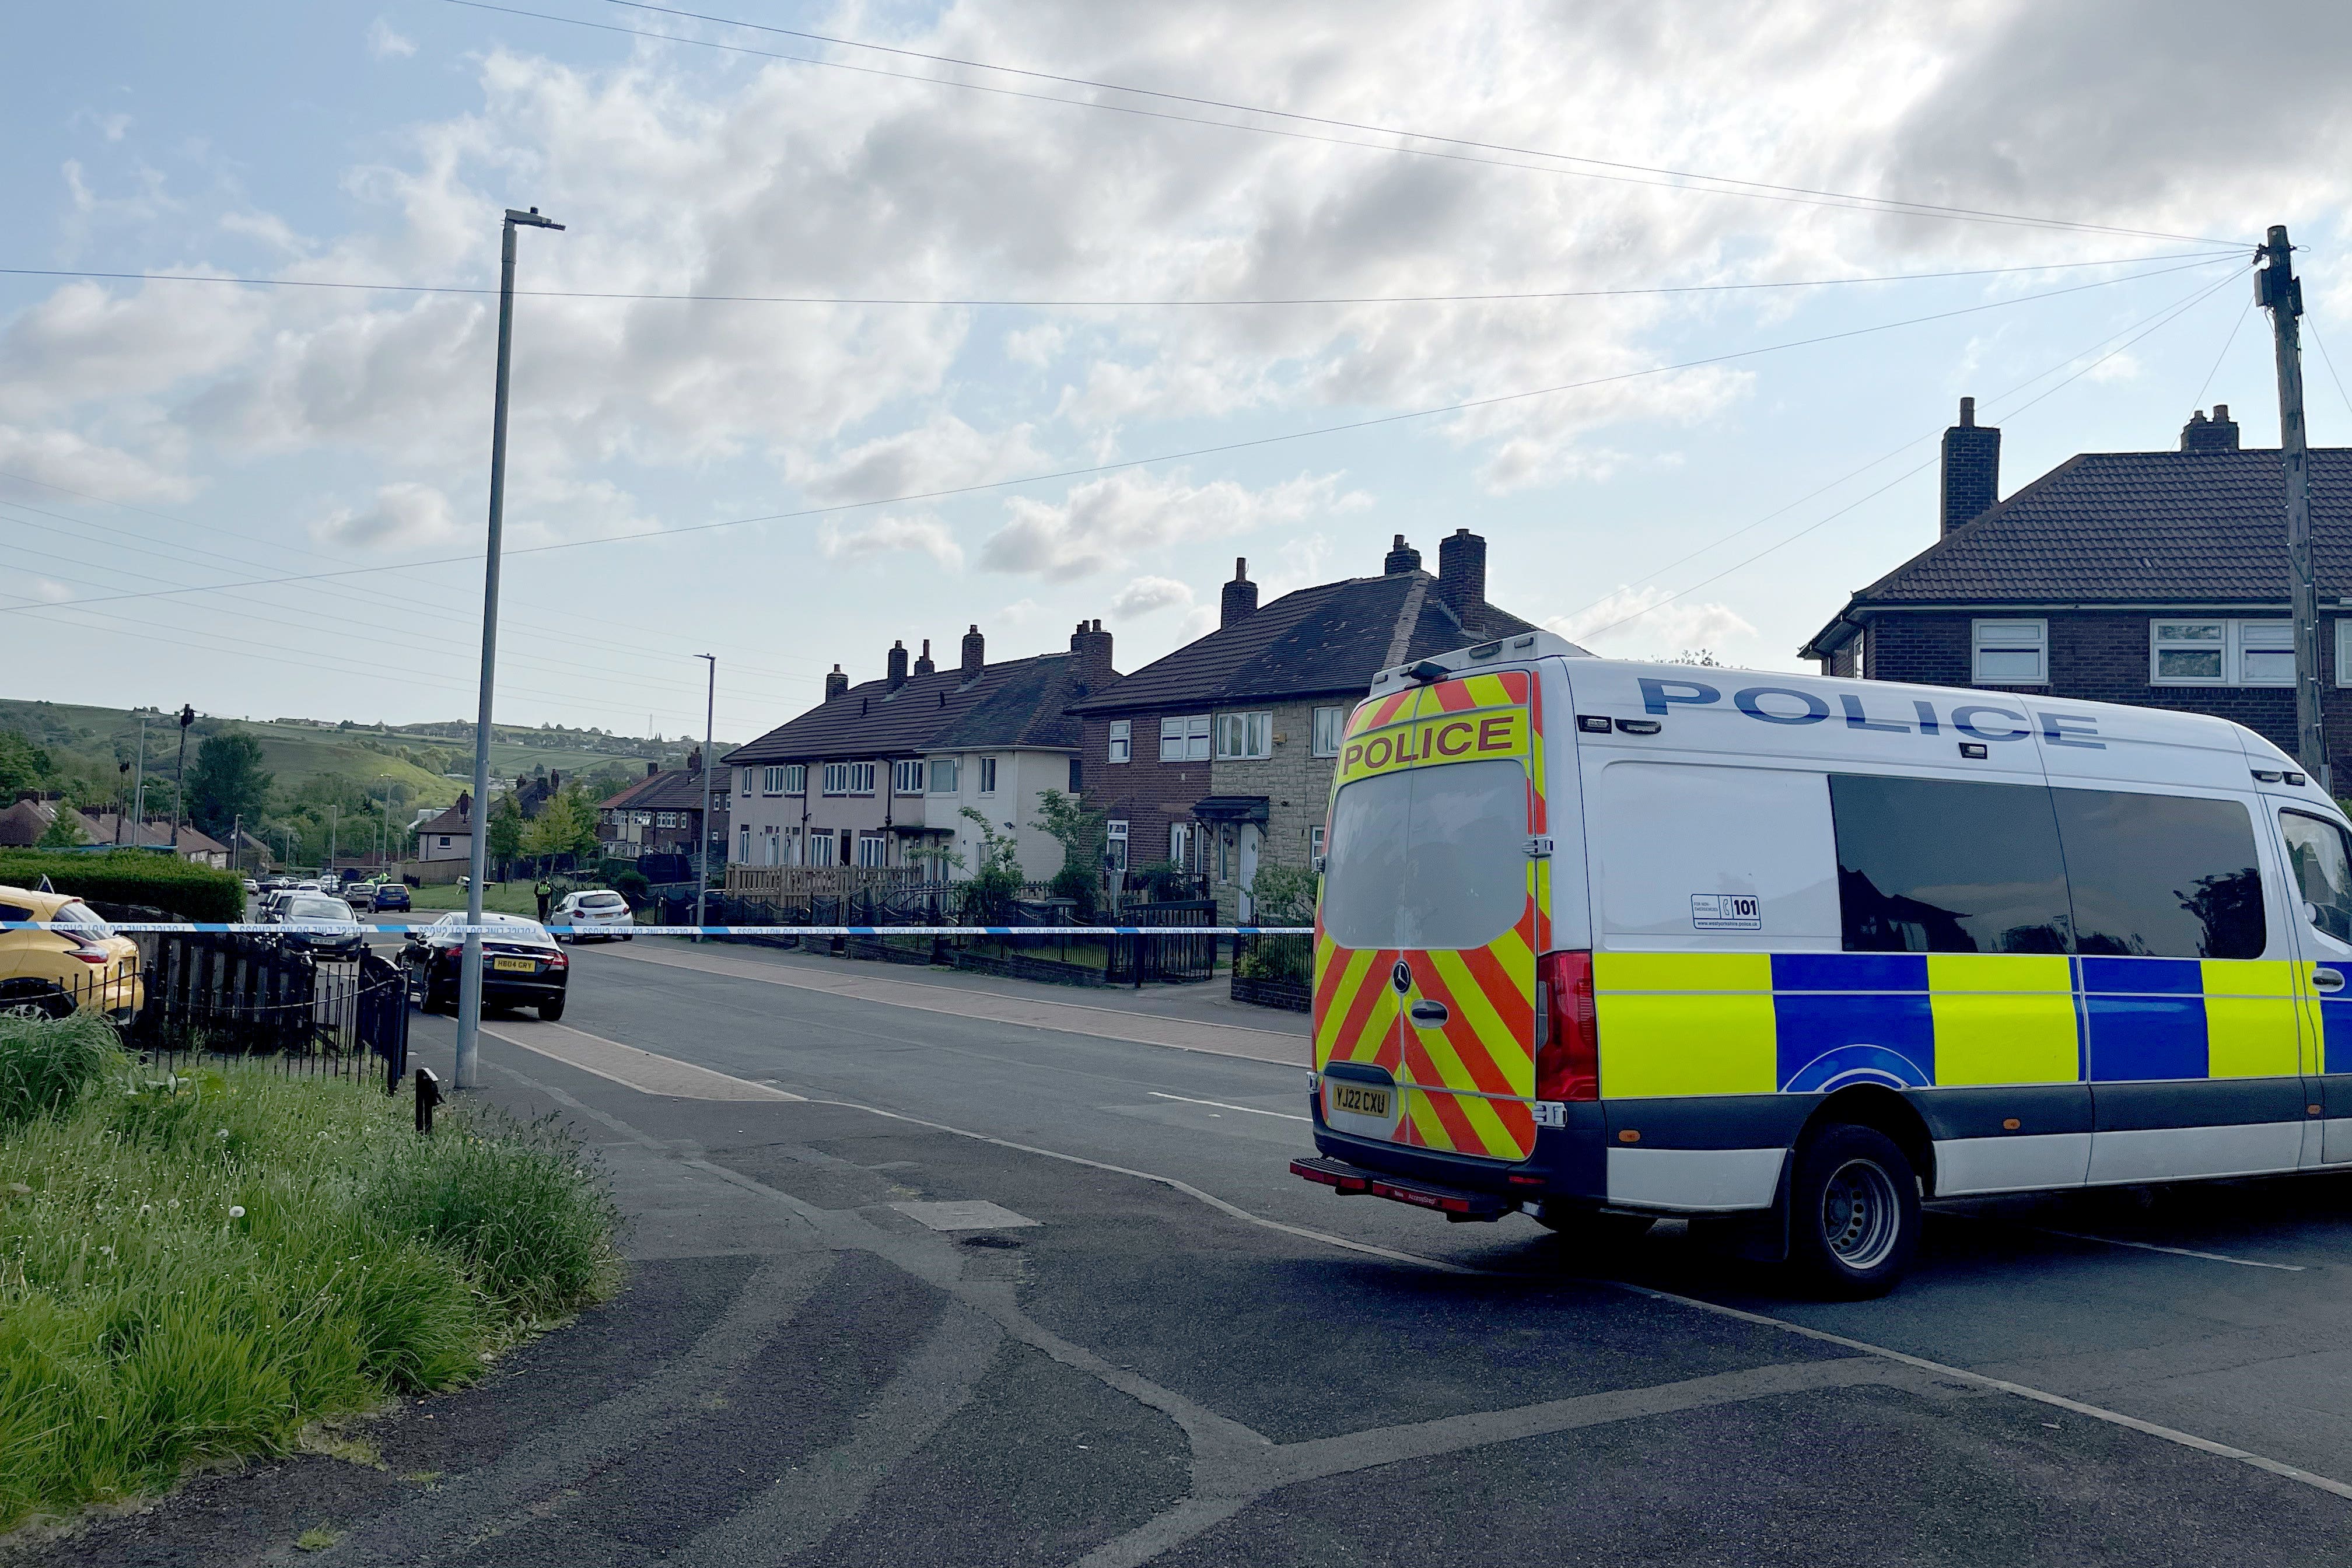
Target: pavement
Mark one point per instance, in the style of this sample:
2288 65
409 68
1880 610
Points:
916 1278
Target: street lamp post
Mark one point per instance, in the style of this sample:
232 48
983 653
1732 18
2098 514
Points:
470 992
139 788
180 780
702 860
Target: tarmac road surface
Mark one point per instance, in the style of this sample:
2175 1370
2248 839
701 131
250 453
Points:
916 1284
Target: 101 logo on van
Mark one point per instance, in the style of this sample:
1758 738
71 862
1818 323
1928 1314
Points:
1475 735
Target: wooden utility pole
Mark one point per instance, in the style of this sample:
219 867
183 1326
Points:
2277 290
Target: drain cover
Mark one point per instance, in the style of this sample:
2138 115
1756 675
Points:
969 1214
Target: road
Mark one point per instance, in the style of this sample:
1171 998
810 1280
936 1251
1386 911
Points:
1158 1347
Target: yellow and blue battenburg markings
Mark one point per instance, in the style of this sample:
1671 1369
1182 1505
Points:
1690 1024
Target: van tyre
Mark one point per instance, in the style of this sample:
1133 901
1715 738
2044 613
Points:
1853 1212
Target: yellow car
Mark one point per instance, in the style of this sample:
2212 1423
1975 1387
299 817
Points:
50 974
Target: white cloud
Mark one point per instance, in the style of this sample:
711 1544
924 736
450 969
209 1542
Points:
1107 522
1642 616
1146 595
402 516
882 536
386 45
62 458
50 593
1020 612
942 453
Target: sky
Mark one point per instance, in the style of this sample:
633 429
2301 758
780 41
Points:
979 329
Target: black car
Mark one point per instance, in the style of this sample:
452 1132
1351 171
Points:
392 896
522 966
320 926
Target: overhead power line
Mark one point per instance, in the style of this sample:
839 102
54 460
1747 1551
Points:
1093 469
1044 304
1576 166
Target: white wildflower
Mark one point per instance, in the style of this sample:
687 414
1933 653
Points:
237 1210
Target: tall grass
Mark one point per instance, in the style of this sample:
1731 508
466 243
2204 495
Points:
194 1269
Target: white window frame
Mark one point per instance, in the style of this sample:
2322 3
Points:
988 775
2238 642
664 819
1314 843
1245 737
2007 636
2343 651
746 774
908 777
1121 746
645 819
1184 738
1115 842
861 778
947 776
1329 725
836 778
873 850
796 778
743 845
772 781
826 858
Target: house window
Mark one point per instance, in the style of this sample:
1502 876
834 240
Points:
1115 845
988 775
1077 774
1184 739
664 819
861 778
1862 656
743 845
772 781
820 846
907 778
944 771
2009 653
1122 738
1330 723
849 778
2220 653
1314 844
745 774
2344 652
444 841
872 849
645 819
796 779
1245 737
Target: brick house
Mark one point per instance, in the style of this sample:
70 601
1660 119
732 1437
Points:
660 814
1219 757
2154 578
878 773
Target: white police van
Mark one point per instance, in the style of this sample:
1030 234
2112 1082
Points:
1608 940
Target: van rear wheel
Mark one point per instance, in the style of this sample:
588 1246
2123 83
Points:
1853 1212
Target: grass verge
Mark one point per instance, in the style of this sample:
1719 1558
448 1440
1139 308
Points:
504 898
191 1270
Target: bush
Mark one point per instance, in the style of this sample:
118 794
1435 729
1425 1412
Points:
191 1270
190 891
1079 883
632 885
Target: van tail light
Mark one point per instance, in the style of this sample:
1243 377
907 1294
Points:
1568 1041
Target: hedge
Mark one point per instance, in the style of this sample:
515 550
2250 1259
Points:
190 891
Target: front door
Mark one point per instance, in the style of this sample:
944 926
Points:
1431 914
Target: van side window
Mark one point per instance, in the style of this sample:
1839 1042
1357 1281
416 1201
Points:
2157 876
2322 859
1937 865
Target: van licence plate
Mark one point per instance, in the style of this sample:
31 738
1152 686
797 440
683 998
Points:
523 965
1361 1099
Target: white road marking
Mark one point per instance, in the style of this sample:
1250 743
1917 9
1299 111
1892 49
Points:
2176 1251
1221 1105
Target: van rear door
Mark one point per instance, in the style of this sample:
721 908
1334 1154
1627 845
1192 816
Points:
1432 914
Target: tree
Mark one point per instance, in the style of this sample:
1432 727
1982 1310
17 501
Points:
506 829
1081 833
566 825
228 783
988 898
64 832
23 765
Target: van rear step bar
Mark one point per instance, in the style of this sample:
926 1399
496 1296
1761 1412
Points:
1454 1203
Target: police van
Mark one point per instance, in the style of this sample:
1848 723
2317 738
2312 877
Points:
1606 940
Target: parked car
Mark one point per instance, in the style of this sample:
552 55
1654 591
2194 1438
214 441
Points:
50 974
276 884
391 895
264 912
326 929
522 966
251 887
600 912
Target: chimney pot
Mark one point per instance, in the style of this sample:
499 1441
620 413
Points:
2218 434
923 664
1462 576
1401 557
1971 480
1239 599
975 652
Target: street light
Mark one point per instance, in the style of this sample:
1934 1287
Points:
469 985
702 859
180 781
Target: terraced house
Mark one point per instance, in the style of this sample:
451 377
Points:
1219 757
878 773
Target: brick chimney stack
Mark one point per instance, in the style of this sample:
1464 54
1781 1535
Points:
1090 653
975 652
2218 434
652 768
923 664
1462 576
1971 467
1240 596
898 665
835 684
1403 557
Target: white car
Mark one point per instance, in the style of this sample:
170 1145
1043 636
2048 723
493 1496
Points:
602 913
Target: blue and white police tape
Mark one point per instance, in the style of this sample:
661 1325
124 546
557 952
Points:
506 928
